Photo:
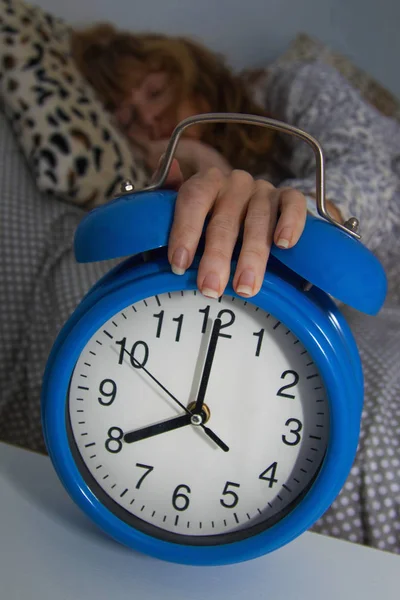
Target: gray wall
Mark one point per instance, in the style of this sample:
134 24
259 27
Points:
253 32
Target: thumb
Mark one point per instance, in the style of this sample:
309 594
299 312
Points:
174 178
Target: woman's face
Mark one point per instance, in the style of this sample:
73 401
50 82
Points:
151 111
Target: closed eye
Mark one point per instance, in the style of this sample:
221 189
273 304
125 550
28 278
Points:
156 93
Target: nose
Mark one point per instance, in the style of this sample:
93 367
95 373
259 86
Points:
149 119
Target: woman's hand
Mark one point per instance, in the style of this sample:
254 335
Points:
234 199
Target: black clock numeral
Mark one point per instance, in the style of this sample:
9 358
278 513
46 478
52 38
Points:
260 335
160 317
148 471
271 478
295 381
234 498
135 361
110 394
206 312
178 329
228 323
220 315
113 443
295 431
183 499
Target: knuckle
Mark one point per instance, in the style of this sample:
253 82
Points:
193 194
295 202
241 177
263 186
190 231
293 197
299 211
217 254
215 174
258 216
255 252
223 223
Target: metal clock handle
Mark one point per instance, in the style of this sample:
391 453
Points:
350 226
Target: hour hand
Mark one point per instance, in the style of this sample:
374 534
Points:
151 430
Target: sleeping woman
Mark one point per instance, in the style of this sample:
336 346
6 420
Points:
241 174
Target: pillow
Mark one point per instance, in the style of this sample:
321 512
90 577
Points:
71 143
307 49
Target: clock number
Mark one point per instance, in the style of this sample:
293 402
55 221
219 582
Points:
178 330
160 318
295 381
260 335
148 471
234 497
134 361
296 432
271 479
228 323
177 495
206 312
111 395
113 442
121 343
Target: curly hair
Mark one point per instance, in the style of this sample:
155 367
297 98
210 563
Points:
114 62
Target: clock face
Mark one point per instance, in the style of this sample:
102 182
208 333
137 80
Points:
195 420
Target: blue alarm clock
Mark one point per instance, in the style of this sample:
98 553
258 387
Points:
207 431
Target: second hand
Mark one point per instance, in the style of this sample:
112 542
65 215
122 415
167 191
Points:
209 432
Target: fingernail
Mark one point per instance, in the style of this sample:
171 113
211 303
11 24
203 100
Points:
180 260
246 283
210 287
284 238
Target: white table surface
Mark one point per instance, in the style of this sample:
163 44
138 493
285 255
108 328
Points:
49 550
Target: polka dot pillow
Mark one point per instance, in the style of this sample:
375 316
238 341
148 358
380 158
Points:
69 140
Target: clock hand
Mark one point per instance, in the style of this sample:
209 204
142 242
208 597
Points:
146 432
207 366
158 382
217 440
213 436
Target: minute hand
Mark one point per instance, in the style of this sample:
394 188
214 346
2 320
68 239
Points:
207 367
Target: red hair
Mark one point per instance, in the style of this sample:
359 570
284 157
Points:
114 62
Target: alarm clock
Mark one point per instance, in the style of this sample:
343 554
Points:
205 431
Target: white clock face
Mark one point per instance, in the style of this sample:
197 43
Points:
232 464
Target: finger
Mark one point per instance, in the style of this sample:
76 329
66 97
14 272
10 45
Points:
258 231
293 209
222 232
174 177
195 199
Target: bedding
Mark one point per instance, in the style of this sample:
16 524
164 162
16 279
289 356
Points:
306 49
72 145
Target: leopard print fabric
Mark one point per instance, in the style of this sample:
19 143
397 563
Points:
72 145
